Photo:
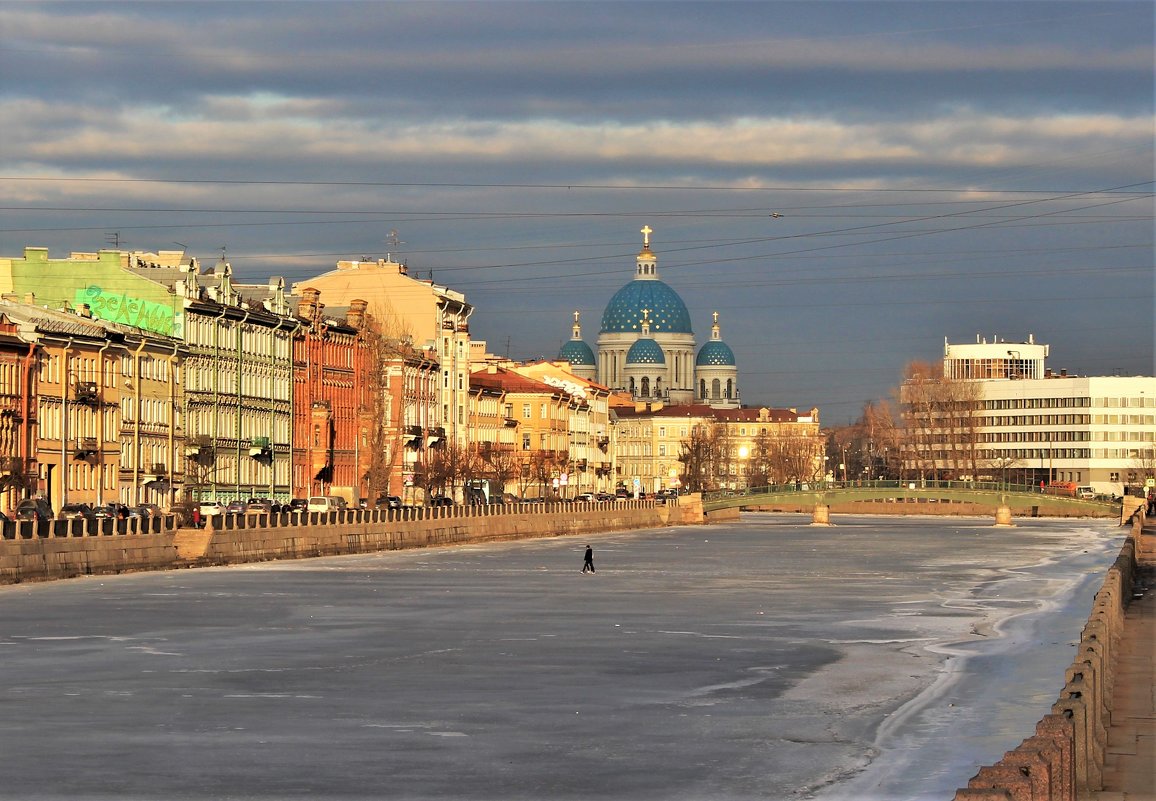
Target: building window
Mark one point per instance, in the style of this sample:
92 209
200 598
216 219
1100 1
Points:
525 411
525 442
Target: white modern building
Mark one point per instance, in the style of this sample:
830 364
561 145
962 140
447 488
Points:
1031 425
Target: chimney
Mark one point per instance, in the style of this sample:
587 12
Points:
355 317
307 306
30 298
85 310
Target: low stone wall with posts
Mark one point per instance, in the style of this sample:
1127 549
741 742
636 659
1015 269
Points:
45 550
1064 759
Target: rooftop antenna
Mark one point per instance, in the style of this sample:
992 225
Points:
393 243
113 238
182 244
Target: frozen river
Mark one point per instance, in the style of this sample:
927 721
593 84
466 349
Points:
766 659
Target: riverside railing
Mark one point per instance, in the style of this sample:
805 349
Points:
159 524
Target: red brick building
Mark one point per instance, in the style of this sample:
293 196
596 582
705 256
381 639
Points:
334 421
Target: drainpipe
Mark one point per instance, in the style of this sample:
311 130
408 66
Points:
100 423
240 395
273 411
64 425
25 447
172 451
297 326
216 394
136 417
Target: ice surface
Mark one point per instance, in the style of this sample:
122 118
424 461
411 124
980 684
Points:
877 659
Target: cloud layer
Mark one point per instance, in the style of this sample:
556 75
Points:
941 163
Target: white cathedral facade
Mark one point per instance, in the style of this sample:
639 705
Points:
646 345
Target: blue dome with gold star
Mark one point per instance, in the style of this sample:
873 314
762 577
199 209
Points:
667 312
715 353
645 351
578 353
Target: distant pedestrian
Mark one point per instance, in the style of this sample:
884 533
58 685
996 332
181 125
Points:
196 517
588 562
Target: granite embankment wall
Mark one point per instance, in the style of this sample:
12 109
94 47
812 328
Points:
1042 507
32 551
1064 759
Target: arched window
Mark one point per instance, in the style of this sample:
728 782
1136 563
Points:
702 389
658 387
631 386
730 387
645 387
715 388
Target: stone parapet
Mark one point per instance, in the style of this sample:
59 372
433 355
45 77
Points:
41 552
1064 760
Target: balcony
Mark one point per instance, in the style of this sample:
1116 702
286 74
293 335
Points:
199 448
87 393
86 448
259 447
603 443
510 422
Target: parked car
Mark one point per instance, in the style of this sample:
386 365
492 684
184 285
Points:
262 506
236 508
439 500
76 511
621 494
33 509
297 505
1087 493
585 496
603 496
150 510
212 508
326 503
115 511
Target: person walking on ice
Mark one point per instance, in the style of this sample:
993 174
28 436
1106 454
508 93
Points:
588 562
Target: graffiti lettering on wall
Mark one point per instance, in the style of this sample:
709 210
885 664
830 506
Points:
120 308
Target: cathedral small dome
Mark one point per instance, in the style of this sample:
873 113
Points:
645 351
578 353
668 314
715 353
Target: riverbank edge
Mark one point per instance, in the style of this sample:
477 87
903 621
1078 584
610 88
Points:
39 553
1063 760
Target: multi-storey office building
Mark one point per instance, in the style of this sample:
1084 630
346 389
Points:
238 390
591 467
17 399
1097 431
659 445
420 312
103 410
336 424
540 419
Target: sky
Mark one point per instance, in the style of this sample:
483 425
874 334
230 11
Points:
849 184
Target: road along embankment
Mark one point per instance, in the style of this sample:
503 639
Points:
1064 759
41 552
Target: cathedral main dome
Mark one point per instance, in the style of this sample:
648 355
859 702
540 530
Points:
668 314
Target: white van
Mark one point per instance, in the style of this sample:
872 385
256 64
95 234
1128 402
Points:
1088 493
325 503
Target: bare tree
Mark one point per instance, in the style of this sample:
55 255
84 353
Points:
505 466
